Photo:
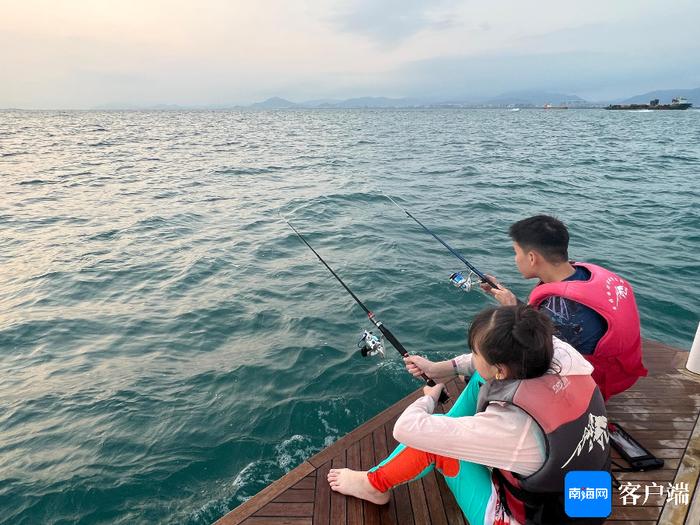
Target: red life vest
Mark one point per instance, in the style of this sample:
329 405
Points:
617 358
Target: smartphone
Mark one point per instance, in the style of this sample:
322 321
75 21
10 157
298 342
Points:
631 451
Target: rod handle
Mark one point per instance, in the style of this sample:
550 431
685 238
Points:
392 339
444 396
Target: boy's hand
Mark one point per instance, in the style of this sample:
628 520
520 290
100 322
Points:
502 294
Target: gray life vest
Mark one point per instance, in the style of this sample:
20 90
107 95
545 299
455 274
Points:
570 412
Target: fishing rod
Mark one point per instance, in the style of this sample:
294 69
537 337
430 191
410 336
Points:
457 278
369 343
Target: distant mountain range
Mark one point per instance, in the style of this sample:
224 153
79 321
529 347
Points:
511 99
535 98
665 96
516 98
360 102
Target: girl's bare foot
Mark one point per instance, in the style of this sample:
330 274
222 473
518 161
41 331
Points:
355 483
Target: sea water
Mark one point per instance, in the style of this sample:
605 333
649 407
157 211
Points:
168 347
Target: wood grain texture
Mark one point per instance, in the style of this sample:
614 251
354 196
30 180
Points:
660 411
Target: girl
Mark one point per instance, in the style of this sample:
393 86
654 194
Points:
530 413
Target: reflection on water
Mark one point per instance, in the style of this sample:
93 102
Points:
168 347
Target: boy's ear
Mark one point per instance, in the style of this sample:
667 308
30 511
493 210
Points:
533 257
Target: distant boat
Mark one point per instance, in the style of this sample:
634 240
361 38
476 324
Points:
676 103
514 109
550 106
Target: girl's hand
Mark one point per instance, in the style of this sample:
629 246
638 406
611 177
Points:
417 365
434 391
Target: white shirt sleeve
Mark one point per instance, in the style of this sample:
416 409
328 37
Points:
503 436
464 364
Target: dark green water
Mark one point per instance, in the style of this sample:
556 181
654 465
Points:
168 347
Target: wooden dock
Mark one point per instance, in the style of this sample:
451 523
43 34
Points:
660 411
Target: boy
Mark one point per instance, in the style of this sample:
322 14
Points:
592 308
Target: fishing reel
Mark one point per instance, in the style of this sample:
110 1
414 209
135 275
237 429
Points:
464 283
370 345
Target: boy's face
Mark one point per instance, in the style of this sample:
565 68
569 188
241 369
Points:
524 261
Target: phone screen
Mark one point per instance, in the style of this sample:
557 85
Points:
632 449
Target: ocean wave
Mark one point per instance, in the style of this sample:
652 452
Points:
34 182
240 170
169 347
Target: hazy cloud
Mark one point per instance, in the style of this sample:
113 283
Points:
589 74
390 22
82 53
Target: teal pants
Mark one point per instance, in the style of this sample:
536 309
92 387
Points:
471 485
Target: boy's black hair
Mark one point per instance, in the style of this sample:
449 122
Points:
543 234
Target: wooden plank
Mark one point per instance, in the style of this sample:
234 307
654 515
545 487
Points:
387 513
266 495
452 510
630 522
674 386
633 426
660 411
662 453
631 512
371 511
338 501
676 411
688 473
676 378
404 512
624 417
295 496
436 509
641 435
277 521
354 505
669 463
652 499
419 505
693 515
676 402
681 360
291 510
461 383
661 475
663 443
670 394
309 482
322 496
454 392
687 374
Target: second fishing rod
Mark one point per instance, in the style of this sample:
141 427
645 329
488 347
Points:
370 345
458 279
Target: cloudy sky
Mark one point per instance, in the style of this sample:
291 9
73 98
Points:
87 53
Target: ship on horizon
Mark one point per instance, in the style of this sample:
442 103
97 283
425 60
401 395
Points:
676 103
550 106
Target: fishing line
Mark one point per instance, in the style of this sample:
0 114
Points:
458 279
368 342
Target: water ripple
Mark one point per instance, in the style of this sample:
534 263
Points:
168 346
